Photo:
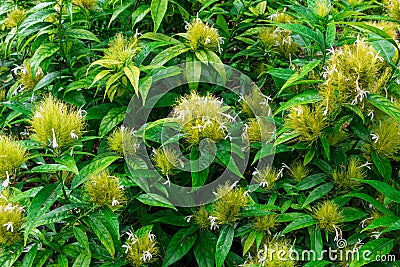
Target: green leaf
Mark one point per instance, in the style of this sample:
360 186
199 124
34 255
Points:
376 204
101 232
384 48
249 242
49 168
10 255
198 177
305 32
30 256
169 54
284 137
47 79
327 149
311 181
155 200
93 168
309 156
139 14
384 105
224 244
81 34
43 200
372 250
133 73
114 117
383 165
119 10
307 97
356 110
318 192
179 245
83 259
258 210
298 75
316 240
304 221
383 188
381 222
351 214
228 162
44 51
204 249
158 9
81 237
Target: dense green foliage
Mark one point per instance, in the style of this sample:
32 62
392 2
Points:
329 74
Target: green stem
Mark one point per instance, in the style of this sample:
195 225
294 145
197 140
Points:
62 38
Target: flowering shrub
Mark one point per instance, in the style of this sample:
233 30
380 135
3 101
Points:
118 116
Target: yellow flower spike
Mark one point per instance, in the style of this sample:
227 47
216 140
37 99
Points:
343 177
15 18
123 140
265 223
201 219
259 130
279 40
298 171
105 190
308 122
329 216
12 156
202 117
352 72
201 35
255 104
56 125
386 137
267 176
141 250
226 209
26 77
165 160
321 7
87 4
281 17
393 9
122 49
11 220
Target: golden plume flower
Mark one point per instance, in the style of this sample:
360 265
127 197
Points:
201 35
329 216
123 140
56 125
343 177
12 156
227 208
15 18
141 249
353 71
267 176
202 117
11 220
265 223
105 190
385 137
278 40
87 4
308 122
26 77
298 171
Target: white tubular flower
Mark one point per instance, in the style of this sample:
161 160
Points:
127 248
366 164
214 224
146 256
188 218
152 237
376 235
6 182
114 202
73 135
374 137
9 226
54 143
